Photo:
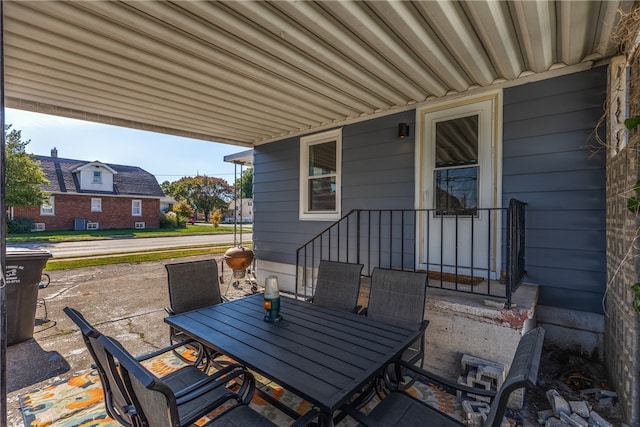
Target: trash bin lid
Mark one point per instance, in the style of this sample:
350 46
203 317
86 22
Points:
14 253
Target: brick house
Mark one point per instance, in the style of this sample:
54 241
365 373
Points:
94 195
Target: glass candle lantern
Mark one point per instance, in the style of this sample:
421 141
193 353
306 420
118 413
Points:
272 299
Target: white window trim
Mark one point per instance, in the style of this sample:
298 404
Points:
305 143
96 204
97 177
44 208
133 203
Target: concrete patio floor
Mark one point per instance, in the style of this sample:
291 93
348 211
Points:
125 301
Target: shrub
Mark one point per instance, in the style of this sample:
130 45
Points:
19 225
168 220
183 209
216 218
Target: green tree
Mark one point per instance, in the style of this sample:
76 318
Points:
24 177
183 209
203 193
166 187
245 184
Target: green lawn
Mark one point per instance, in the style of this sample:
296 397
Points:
148 256
68 236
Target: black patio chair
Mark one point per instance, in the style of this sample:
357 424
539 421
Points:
156 404
399 408
338 285
116 397
398 298
193 285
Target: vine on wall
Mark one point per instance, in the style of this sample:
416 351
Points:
633 203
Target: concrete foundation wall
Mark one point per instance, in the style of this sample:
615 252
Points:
286 274
462 324
571 329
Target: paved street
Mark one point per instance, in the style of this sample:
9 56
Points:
110 246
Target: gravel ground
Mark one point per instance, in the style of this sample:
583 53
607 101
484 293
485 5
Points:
569 373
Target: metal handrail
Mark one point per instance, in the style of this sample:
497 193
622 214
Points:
387 238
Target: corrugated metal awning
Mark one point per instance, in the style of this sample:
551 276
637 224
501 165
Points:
249 72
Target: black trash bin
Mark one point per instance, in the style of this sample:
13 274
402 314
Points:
23 273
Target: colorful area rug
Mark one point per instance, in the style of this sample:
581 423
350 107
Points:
78 401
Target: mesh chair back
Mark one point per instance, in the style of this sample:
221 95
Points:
193 285
397 297
116 399
338 285
523 371
154 402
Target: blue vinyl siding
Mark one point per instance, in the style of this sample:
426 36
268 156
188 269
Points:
550 163
377 173
547 163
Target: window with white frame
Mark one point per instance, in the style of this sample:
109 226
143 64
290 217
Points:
48 208
97 177
136 207
96 204
320 176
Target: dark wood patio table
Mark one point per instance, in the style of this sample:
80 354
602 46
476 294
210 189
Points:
324 356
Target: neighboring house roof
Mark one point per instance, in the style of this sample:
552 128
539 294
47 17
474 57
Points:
127 180
305 66
95 163
168 199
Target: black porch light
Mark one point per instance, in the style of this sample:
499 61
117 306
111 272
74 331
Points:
403 130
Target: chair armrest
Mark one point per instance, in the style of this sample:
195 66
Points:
164 350
309 299
169 311
448 385
220 379
227 370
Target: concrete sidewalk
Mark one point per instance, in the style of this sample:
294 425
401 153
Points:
125 301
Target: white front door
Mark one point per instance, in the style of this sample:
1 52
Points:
458 165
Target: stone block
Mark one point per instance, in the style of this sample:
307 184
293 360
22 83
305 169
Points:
558 403
470 362
484 385
605 402
580 407
554 422
479 398
608 393
475 412
492 374
580 420
596 419
569 420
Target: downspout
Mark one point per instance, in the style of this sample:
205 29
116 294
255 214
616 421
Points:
3 242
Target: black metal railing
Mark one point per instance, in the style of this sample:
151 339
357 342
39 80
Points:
479 252
515 247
